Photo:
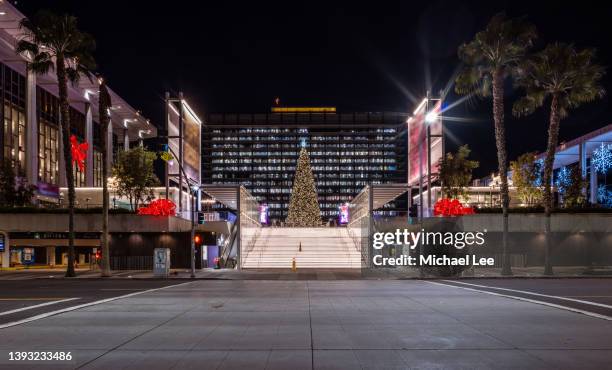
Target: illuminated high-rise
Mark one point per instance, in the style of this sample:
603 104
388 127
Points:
347 150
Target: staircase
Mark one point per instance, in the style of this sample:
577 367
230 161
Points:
322 247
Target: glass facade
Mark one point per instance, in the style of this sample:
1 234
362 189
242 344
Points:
13 89
48 137
347 152
48 153
77 128
97 168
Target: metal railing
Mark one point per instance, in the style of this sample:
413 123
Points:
228 245
359 226
250 227
131 262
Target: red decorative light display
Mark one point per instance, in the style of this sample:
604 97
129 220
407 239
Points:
451 207
159 207
79 152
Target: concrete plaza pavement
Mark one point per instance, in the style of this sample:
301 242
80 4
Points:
236 324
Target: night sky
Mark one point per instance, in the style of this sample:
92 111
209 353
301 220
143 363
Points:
382 56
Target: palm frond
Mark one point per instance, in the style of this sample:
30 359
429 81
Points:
500 47
565 72
528 104
41 63
49 37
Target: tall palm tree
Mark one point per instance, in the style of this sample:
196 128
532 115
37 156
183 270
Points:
569 78
490 58
104 104
54 41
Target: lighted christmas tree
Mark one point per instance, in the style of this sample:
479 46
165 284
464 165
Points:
304 207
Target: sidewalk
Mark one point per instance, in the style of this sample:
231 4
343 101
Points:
308 274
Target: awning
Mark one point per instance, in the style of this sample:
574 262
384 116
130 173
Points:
385 193
224 194
569 152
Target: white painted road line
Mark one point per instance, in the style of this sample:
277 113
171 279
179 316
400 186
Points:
532 293
566 308
35 306
72 308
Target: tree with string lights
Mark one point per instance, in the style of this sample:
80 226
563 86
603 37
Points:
304 208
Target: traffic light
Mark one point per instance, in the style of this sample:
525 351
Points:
201 218
197 239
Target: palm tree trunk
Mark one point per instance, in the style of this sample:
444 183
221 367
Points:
65 123
103 105
500 141
553 138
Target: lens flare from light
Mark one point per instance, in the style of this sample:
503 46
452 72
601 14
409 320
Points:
431 117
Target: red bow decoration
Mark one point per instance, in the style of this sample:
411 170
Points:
451 207
79 152
159 207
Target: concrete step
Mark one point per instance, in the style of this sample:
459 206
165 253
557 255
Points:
321 248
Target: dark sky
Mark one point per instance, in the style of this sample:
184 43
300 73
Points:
233 57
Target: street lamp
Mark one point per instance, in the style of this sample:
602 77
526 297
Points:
194 203
431 117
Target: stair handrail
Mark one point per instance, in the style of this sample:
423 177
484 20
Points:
229 244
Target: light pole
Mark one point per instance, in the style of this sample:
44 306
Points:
194 193
193 211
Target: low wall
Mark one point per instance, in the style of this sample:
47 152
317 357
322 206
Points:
58 222
583 239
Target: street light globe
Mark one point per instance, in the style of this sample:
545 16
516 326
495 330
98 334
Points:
431 117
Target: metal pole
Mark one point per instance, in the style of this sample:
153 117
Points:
428 133
166 121
181 151
442 144
420 180
238 230
370 225
193 236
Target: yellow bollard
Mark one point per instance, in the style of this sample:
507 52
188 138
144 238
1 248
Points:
293 265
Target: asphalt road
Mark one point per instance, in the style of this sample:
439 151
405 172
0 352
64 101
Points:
589 295
233 324
21 299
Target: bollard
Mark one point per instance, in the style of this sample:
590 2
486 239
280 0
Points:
293 265
300 247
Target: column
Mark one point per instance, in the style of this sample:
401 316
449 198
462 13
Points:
6 255
109 145
126 140
51 256
63 182
582 163
31 129
593 185
89 177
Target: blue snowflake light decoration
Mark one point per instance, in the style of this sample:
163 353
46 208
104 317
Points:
564 179
539 166
602 158
604 196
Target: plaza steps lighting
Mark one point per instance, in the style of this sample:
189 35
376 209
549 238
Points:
321 248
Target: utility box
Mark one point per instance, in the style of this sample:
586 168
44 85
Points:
161 262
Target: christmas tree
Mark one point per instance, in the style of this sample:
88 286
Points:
304 207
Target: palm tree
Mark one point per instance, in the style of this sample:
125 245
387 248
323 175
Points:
491 57
54 41
104 104
569 78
